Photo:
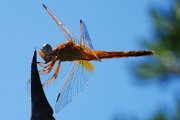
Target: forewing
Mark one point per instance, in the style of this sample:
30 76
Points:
85 39
69 35
74 85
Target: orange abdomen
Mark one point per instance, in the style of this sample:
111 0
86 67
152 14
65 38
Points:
113 54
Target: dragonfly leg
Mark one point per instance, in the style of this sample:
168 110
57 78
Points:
54 76
41 64
48 67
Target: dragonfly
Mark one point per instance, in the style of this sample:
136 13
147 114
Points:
80 52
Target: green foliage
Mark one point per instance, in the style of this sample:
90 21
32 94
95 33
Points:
160 116
165 116
166 44
165 64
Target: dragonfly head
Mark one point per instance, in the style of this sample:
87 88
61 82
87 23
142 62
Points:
47 53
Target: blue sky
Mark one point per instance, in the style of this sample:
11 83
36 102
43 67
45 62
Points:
112 25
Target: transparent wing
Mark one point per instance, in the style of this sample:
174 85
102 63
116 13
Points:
75 83
63 72
85 39
69 35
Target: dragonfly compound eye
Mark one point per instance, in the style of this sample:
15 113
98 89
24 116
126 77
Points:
46 52
47 49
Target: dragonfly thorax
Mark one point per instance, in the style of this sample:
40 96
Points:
47 53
